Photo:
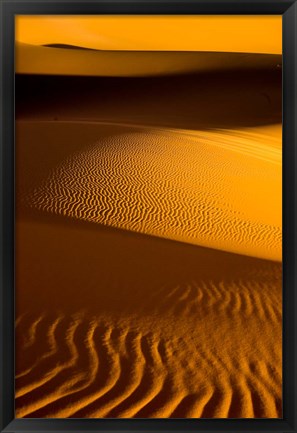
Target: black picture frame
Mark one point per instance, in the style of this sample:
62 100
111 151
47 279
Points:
288 10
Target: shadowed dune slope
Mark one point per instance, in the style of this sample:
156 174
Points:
210 188
222 99
68 47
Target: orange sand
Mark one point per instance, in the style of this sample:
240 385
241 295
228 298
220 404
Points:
113 323
33 59
118 324
210 188
148 218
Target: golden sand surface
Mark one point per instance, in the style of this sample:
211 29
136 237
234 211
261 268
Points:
148 217
117 323
36 59
210 188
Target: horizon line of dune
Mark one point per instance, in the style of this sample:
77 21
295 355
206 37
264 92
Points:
40 59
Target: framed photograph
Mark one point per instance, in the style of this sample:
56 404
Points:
148 216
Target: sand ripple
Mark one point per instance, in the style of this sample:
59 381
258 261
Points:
168 329
102 368
220 189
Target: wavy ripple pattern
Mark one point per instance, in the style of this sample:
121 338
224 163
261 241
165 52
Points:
178 331
101 368
220 189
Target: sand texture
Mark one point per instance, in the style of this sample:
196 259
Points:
150 342
149 243
147 328
193 186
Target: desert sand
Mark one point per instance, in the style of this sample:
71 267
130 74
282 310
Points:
35 59
149 243
120 324
117 324
198 187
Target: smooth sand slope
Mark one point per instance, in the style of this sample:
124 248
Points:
33 59
115 323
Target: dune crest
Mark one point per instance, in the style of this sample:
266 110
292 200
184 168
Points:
82 61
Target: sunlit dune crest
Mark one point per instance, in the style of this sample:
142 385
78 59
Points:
218 189
62 60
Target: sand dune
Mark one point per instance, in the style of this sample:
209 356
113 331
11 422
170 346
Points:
134 324
211 188
33 59
147 342
148 223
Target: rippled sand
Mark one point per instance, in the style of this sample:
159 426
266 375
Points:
210 188
161 331
129 304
